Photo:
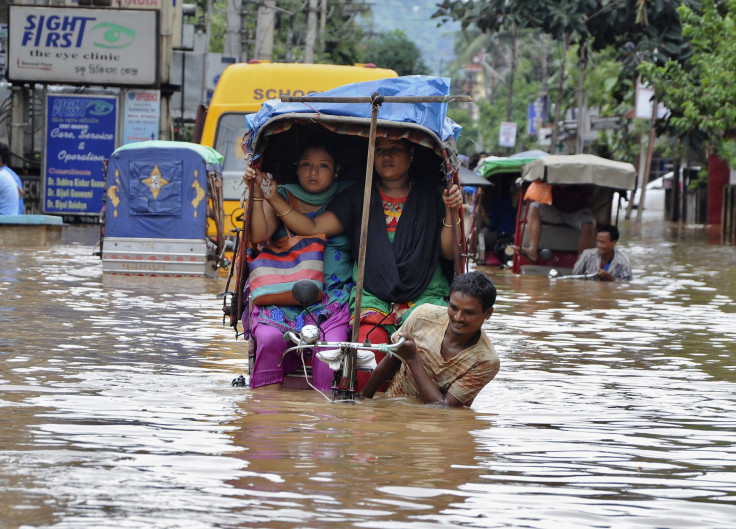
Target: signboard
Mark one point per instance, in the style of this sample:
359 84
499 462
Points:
216 64
3 48
507 134
645 103
171 14
605 123
544 136
83 46
536 115
80 135
141 113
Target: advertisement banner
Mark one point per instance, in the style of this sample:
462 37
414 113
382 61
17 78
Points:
80 135
83 46
507 134
536 115
141 115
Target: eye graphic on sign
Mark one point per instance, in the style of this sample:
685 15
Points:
97 107
112 36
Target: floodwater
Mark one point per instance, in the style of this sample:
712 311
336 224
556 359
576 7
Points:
615 406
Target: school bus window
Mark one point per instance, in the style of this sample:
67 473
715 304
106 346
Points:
230 132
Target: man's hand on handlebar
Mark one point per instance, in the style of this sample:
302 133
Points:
408 350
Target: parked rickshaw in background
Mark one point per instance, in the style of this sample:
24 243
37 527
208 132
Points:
558 244
474 187
494 207
159 198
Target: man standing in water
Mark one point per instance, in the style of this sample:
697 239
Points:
446 359
608 263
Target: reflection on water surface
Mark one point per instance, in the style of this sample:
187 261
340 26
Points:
614 407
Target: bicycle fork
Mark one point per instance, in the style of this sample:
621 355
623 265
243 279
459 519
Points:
347 379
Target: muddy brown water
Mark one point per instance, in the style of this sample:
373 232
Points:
615 406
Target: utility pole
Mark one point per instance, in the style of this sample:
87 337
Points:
264 30
512 73
233 46
583 62
322 27
311 32
560 88
167 42
243 32
207 29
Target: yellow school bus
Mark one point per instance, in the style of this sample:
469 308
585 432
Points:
243 88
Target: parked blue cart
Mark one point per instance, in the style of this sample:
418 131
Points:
159 198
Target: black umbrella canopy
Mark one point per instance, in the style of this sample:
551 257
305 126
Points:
469 178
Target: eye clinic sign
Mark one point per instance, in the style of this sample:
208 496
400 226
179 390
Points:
83 46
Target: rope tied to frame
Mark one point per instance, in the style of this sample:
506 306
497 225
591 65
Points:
376 99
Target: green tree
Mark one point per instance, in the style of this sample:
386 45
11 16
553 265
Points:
394 50
700 91
482 133
343 35
649 24
468 140
636 29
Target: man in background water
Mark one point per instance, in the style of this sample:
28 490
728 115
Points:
605 261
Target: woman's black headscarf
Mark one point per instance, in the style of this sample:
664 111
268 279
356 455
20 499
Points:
396 272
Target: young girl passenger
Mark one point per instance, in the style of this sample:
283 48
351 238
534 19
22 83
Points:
317 173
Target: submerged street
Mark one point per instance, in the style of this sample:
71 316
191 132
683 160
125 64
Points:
615 406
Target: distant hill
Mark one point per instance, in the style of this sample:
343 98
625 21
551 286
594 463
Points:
414 18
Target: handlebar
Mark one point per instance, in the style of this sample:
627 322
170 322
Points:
296 338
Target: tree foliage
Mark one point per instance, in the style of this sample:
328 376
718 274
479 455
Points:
612 36
649 24
700 92
343 35
394 50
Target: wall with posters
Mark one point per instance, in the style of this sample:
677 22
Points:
80 134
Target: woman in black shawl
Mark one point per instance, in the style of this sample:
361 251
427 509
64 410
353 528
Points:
409 232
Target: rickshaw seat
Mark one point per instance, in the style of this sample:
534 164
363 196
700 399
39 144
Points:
556 237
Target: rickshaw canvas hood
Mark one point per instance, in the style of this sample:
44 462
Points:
430 115
581 169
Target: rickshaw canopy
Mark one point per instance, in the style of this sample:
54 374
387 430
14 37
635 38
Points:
425 124
581 169
496 165
432 116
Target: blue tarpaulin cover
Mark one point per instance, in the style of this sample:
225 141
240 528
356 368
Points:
158 189
430 115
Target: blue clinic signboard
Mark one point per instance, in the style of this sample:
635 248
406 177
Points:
80 135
